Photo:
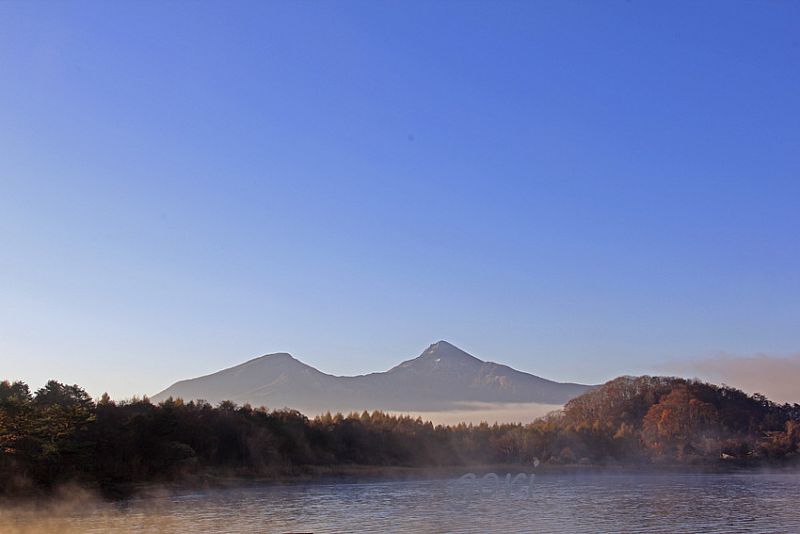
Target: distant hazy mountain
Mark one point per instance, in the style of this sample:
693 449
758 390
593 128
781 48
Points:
441 378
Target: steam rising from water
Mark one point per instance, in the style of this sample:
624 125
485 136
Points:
597 504
76 510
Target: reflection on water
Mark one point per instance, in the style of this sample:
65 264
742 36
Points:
588 503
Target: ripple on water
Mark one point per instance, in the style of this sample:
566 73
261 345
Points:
674 504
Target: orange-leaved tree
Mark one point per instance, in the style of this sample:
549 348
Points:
680 426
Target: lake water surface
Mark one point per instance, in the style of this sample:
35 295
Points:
602 503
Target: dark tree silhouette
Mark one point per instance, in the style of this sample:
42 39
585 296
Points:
59 434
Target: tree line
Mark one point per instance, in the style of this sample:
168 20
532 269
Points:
60 434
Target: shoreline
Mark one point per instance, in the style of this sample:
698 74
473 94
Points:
356 474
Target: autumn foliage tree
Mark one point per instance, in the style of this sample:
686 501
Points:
680 425
60 434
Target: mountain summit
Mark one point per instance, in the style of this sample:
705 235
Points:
442 377
448 352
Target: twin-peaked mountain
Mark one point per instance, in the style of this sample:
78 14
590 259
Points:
441 378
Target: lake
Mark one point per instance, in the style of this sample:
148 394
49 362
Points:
597 503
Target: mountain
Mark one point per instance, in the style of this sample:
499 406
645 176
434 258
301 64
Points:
442 377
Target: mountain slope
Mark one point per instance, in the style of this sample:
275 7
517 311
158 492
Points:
442 377
274 380
445 374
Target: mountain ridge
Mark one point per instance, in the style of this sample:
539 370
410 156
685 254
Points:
442 377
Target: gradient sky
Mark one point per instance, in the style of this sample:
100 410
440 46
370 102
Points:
577 189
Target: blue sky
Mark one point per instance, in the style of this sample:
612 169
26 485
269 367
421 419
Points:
576 189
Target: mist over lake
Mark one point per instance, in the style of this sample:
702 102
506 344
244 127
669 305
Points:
590 504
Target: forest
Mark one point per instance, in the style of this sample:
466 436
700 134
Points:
59 434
